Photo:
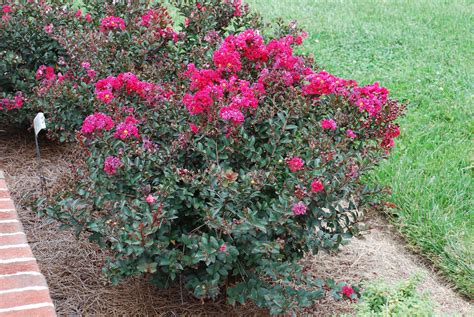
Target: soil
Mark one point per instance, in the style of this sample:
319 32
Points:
72 266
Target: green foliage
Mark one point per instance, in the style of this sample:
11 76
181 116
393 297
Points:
24 46
382 300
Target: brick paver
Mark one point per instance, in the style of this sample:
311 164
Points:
23 289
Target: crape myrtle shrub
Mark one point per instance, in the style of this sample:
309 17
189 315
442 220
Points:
104 38
24 46
224 177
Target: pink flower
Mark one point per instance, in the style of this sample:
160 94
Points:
387 144
317 186
88 17
323 83
194 128
370 98
351 134
299 209
6 18
393 131
227 58
127 129
223 248
6 9
78 14
105 96
18 101
328 124
295 163
91 73
111 164
10 104
46 72
231 114
86 65
347 291
150 199
48 28
112 23
299 38
97 122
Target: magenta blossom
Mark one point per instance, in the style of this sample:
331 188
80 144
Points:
299 209
328 124
112 23
347 291
6 9
111 164
317 186
105 96
351 134
231 114
97 122
127 129
295 163
194 128
150 199
48 28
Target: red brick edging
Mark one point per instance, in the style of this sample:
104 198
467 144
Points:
23 289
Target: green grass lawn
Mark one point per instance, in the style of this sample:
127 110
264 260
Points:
423 51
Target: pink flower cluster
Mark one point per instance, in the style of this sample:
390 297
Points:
351 134
97 122
45 72
323 83
328 124
348 291
127 129
217 96
48 28
317 186
370 98
299 209
150 199
10 104
111 164
275 61
285 67
111 23
6 9
105 88
295 163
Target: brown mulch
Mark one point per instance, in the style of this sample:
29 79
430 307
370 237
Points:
72 266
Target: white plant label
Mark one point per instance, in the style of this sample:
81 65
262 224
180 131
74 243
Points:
39 123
